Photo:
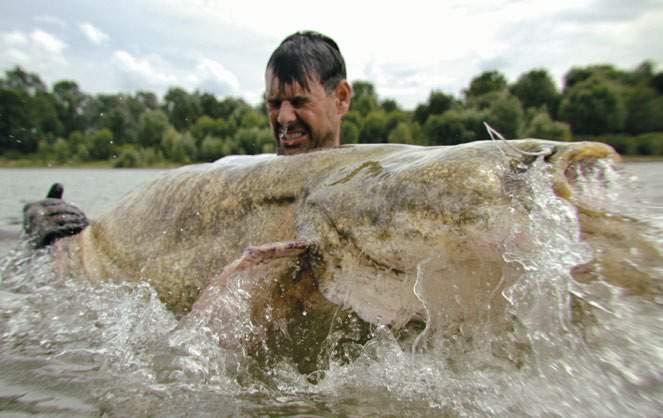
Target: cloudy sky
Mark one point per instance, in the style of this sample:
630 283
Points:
406 48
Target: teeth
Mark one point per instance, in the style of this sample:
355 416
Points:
284 135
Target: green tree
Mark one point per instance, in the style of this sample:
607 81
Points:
579 74
118 113
542 126
70 102
657 83
21 80
486 82
16 130
228 106
455 126
375 128
437 103
354 117
252 119
44 115
79 146
251 140
211 149
129 157
147 99
206 126
364 98
536 88
505 114
645 110
61 151
389 105
593 106
102 145
401 134
179 148
151 127
182 108
349 132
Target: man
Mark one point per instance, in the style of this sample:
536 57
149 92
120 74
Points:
306 92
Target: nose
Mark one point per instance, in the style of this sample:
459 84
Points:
287 114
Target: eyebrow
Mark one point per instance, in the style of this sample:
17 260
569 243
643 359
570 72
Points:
295 98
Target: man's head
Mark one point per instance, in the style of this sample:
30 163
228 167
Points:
307 93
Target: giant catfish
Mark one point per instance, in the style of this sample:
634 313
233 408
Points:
338 238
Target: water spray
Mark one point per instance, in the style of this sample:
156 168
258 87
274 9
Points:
283 132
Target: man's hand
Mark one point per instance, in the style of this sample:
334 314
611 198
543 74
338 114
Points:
48 220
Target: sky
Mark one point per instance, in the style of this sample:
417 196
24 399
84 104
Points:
405 48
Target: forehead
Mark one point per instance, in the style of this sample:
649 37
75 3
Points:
273 87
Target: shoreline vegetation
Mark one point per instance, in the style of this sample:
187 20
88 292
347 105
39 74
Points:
162 165
63 126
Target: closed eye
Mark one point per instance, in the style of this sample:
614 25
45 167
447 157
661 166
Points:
298 101
273 104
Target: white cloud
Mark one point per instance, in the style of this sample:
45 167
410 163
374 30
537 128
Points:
17 56
47 42
152 71
92 33
15 38
37 51
50 20
143 71
222 46
213 77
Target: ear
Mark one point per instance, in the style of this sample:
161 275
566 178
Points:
343 93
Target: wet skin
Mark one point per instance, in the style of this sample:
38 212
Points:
303 119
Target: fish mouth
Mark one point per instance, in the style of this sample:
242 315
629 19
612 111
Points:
576 161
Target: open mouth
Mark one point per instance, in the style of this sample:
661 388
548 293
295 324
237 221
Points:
293 137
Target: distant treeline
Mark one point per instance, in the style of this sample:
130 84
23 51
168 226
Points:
67 125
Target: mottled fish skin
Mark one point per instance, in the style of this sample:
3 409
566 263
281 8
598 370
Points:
376 215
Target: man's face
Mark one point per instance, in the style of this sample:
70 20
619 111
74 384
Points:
303 120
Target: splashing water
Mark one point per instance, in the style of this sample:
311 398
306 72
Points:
80 349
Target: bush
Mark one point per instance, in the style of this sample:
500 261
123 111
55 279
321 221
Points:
129 158
455 126
542 126
211 149
648 144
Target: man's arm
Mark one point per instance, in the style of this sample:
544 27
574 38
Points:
50 219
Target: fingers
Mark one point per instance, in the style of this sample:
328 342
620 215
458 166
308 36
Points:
50 219
61 231
64 209
49 211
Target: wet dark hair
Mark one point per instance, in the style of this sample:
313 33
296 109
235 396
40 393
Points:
306 53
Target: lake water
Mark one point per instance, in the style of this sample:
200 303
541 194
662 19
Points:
72 350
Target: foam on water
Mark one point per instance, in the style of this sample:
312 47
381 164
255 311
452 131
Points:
116 349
